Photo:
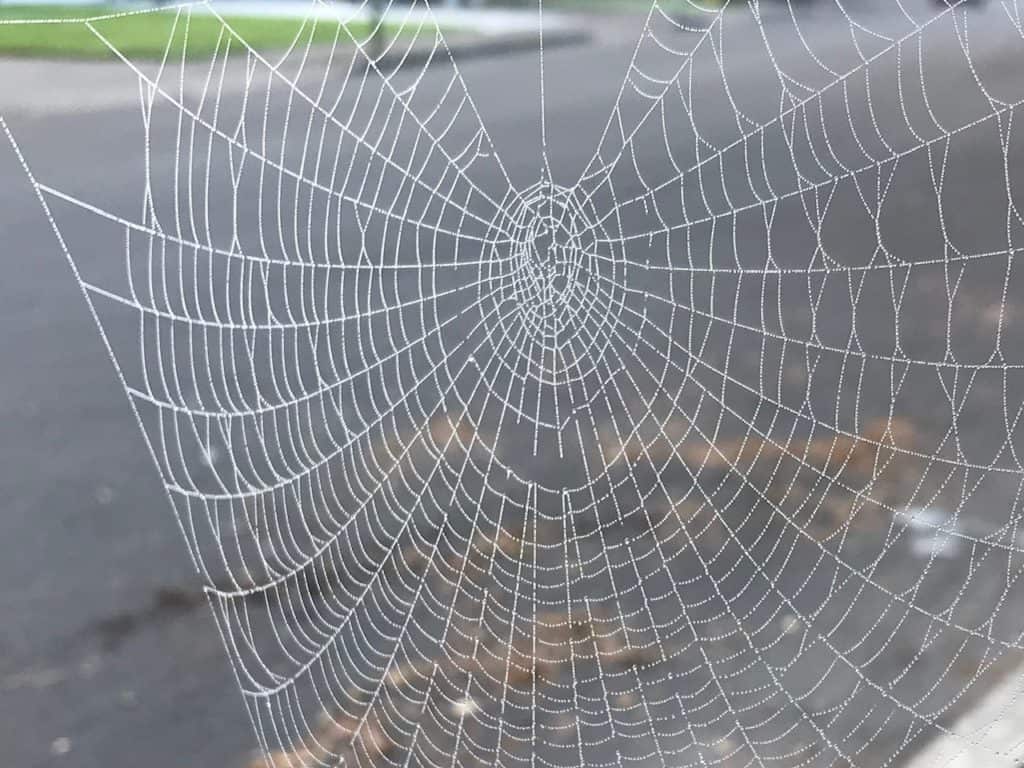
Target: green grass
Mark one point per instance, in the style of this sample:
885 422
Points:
638 6
150 34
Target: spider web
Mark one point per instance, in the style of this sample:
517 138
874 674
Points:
708 457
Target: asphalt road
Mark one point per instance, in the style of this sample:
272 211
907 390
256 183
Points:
109 655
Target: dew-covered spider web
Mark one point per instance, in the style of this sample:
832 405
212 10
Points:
699 448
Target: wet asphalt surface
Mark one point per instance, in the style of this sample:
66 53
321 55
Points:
109 654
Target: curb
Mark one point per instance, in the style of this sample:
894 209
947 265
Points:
479 47
987 735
